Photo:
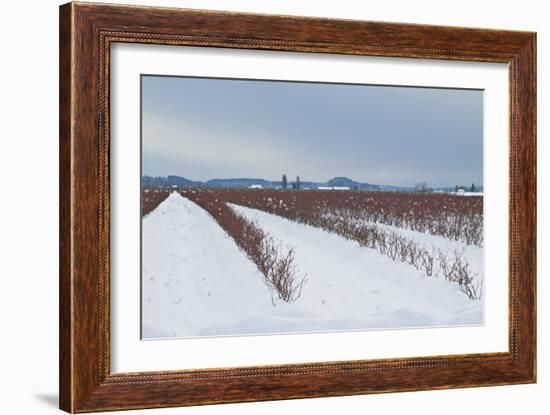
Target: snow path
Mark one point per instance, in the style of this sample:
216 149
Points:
362 287
194 275
196 282
473 254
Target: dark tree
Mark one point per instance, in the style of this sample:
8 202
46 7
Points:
297 182
456 188
285 182
473 188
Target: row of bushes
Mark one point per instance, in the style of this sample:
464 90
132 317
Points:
458 227
151 198
434 262
277 264
454 217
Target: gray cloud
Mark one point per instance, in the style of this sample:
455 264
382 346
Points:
210 128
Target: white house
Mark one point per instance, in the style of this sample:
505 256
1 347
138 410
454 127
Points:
255 186
333 188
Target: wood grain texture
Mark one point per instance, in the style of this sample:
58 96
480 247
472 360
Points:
65 252
86 33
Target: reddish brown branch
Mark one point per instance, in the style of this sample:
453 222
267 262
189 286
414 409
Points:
275 263
151 198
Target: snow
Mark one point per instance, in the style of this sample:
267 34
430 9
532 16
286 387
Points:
464 193
473 254
196 282
193 274
329 257
333 188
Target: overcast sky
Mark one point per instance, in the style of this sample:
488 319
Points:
217 128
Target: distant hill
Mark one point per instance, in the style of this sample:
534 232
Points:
239 183
352 184
169 181
244 182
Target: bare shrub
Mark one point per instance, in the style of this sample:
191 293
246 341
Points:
453 217
356 216
426 260
151 198
284 279
454 267
277 266
414 253
392 249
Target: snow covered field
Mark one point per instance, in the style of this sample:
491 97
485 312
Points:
196 281
472 253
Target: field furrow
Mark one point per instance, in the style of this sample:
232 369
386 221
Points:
198 282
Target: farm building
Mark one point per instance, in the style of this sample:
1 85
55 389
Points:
333 188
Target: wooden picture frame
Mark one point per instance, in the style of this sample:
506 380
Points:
86 33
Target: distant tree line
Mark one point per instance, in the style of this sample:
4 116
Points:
472 188
294 185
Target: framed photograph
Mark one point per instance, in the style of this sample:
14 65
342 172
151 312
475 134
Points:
258 207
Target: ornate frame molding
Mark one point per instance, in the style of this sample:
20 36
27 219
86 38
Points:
86 33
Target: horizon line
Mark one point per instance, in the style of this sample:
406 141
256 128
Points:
292 180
